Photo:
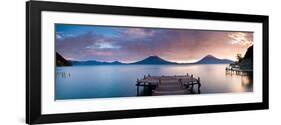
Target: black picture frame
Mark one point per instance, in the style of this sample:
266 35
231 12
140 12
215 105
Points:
33 61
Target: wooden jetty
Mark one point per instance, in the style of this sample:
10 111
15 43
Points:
169 85
237 70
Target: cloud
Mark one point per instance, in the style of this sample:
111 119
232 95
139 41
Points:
139 32
241 38
135 33
103 44
58 36
61 35
131 44
88 46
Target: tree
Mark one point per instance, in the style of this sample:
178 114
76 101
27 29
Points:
239 58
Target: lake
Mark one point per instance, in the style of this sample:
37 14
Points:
106 81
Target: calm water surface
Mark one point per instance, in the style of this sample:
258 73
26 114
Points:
81 82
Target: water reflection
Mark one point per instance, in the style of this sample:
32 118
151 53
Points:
245 77
247 81
79 82
63 74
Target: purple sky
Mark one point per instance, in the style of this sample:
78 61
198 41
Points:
127 44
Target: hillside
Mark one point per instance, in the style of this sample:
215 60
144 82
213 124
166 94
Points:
60 61
247 61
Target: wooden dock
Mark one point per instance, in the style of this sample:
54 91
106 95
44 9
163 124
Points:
238 71
169 85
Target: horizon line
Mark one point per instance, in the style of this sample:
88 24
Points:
150 56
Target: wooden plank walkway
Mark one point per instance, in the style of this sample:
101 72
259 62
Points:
169 85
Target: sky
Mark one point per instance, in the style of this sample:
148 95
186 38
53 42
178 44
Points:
130 44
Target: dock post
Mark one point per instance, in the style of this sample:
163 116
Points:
138 83
138 91
180 81
199 84
192 83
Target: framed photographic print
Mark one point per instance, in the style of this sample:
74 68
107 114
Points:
94 62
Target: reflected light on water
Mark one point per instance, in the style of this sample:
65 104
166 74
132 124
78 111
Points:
245 80
79 82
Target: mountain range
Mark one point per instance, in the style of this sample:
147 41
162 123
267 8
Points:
94 62
156 60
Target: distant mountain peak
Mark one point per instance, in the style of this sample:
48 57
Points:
210 59
116 62
154 57
210 56
153 60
